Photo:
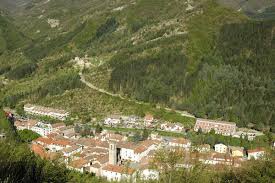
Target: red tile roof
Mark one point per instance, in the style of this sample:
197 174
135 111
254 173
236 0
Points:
58 125
180 141
44 140
39 150
255 150
118 169
78 163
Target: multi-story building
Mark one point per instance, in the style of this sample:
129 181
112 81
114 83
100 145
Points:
46 111
220 127
221 148
42 129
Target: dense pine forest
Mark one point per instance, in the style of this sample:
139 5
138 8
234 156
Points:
235 81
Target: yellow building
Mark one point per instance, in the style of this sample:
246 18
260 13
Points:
236 151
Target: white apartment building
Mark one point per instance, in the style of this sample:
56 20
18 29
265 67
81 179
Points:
42 129
220 148
46 111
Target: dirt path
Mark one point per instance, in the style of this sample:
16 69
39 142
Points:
92 86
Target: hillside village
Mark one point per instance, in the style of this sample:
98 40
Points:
115 156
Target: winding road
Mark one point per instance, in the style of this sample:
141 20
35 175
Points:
92 86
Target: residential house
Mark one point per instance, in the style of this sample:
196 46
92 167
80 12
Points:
118 173
143 149
255 153
249 133
147 173
127 150
80 165
148 120
58 126
25 124
67 152
172 127
53 145
203 148
236 151
221 148
180 143
112 120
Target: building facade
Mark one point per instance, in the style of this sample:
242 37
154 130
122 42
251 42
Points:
220 127
46 111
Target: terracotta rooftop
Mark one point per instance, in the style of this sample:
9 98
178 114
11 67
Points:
30 122
236 148
78 163
44 140
58 125
118 169
96 165
39 150
45 109
70 149
127 145
52 135
63 142
180 141
96 150
255 150
215 121
104 159
140 149
114 136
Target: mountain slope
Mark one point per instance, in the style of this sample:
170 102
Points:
181 54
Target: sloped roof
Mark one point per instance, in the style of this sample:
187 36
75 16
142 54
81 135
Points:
119 169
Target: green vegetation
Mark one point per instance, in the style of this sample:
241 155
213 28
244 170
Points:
27 135
149 79
21 71
252 171
210 61
212 139
10 38
226 73
109 26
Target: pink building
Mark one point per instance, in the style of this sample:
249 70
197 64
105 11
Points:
220 127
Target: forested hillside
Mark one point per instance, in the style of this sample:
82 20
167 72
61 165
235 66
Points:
209 60
229 76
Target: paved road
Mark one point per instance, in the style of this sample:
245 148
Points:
90 85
